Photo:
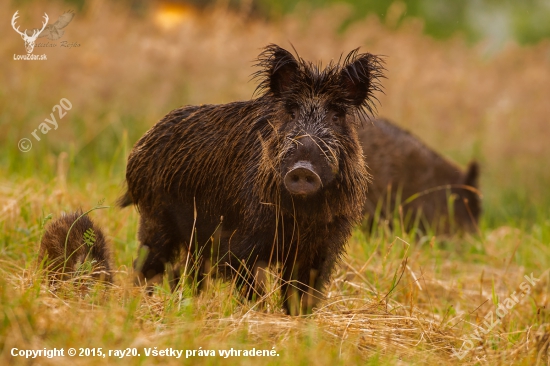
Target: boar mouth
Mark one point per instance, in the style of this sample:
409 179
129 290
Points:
302 180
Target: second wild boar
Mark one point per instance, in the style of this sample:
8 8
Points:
408 173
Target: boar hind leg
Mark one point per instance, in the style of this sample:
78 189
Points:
159 247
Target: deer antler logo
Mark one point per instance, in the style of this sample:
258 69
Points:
29 40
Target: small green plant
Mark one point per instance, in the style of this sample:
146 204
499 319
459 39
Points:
89 237
96 207
85 267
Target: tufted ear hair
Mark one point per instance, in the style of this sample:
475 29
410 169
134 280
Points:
472 174
360 78
278 70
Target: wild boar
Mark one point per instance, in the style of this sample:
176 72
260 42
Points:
409 174
276 179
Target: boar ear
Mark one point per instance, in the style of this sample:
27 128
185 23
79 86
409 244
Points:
279 70
472 174
360 78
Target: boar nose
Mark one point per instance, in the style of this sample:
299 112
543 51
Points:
302 179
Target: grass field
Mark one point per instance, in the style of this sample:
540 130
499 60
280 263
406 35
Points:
395 299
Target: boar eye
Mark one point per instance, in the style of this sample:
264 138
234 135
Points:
293 115
336 117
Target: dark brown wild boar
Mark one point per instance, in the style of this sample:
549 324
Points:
86 242
403 166
277 179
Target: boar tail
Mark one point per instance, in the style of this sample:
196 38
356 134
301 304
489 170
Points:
472 174
125 200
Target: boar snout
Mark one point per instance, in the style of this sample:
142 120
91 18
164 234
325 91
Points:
302 179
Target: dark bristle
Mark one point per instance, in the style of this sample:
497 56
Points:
323 80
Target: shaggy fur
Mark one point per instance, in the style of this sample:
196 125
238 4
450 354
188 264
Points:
209 179
52 247
403 166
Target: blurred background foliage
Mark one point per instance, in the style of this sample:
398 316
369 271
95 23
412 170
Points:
526 21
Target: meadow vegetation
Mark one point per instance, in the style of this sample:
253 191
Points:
395 299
